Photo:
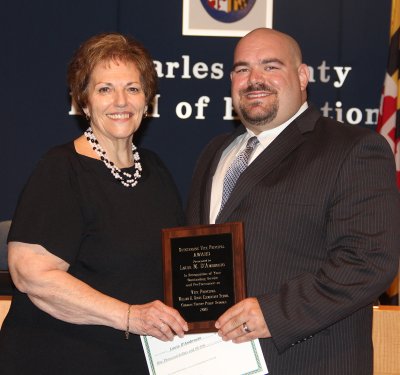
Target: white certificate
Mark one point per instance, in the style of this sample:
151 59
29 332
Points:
206 353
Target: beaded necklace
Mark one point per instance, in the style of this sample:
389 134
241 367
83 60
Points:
125 178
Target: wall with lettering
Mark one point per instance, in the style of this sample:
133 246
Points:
345 46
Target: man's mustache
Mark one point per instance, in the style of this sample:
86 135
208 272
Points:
258 87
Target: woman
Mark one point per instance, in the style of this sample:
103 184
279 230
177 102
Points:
84 247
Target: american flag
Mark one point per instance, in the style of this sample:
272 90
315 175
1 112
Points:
389 115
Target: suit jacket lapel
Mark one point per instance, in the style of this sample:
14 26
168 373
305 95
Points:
269 159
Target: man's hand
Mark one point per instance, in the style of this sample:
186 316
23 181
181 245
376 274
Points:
243 322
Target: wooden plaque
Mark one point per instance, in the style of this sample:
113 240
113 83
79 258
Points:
204 271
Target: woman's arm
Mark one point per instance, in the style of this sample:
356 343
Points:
43 277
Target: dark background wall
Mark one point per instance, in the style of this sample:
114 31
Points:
39 37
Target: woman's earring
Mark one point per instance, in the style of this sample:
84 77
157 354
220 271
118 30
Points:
86 113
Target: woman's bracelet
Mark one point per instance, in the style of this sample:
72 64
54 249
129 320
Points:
127 323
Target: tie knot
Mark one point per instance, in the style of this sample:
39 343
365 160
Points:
252 142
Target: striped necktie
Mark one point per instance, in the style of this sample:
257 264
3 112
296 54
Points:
236 168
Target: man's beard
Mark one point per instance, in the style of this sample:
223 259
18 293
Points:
264 115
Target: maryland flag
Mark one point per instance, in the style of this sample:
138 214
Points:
389 116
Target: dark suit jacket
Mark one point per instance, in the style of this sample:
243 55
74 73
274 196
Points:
321 210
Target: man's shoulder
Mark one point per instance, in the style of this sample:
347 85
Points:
341 129
330 134
312 119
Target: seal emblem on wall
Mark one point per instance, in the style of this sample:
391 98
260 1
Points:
228 10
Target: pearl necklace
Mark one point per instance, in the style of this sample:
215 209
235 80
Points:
125 178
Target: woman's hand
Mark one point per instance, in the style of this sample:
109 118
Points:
158 320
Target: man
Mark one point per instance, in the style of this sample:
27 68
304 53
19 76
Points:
320 209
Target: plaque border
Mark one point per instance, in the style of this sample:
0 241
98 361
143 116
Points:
236 229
